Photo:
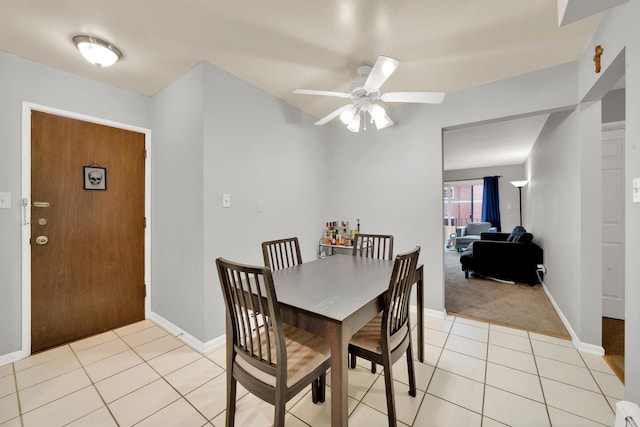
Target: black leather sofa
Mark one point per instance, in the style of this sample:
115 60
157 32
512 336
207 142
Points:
495 256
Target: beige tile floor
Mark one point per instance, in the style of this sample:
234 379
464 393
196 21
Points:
475 374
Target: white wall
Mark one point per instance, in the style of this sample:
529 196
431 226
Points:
509 199
22 80
553 208
177 259
216 134
257 149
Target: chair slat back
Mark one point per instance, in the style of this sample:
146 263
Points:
282 253
396 312
378 246
253 319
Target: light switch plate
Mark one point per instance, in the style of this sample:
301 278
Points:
5 200
636 190
226 200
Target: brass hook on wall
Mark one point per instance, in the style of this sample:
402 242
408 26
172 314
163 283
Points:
597 56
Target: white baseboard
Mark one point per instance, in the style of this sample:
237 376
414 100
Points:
429 312
190 340
12 357
581 346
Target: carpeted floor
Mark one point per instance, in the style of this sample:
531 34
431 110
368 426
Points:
516 305
613 341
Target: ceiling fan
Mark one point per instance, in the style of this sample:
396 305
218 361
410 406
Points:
367 90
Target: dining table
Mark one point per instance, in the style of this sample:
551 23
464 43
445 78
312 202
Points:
334 297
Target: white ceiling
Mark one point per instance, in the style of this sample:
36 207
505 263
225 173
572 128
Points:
281 45
502 143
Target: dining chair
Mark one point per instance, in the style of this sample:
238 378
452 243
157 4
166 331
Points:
388 336
373 246
378 246
282 253
272 360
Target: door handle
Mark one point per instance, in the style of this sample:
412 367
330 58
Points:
42 240
40 204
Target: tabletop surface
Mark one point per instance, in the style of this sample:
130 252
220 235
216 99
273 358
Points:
333 287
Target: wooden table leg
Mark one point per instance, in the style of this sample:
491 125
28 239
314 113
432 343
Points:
339 376
420 295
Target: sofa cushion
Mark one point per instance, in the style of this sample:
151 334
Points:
518 230
525 238
475 228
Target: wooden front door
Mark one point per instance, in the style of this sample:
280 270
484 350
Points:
87 244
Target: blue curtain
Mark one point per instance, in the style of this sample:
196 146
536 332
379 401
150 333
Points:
491 201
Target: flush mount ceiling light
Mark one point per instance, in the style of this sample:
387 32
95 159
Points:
96 51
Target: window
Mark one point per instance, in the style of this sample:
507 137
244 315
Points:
462 204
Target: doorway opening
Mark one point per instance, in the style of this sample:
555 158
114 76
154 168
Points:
613 240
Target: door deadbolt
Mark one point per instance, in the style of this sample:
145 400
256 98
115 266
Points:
42 221
42 240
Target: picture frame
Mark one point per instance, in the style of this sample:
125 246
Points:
95 178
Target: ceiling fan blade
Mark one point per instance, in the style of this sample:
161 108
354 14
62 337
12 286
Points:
332 115
321 93
382 69
418 97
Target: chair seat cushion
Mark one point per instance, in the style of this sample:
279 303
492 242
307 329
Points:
305 353
369 336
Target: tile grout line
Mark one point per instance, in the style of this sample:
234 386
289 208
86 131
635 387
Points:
544 396
94 387
165 380
415 417
144 361
597 383
15 385
486 369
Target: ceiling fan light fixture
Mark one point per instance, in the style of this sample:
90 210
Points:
382 122
354 126
97 51
347 115
377 112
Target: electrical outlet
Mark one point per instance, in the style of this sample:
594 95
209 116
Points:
635 187
542 269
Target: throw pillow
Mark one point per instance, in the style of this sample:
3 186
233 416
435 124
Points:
518 230
525 238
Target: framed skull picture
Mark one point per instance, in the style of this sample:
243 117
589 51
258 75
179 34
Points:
95 178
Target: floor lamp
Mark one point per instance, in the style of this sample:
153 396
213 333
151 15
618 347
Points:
519 185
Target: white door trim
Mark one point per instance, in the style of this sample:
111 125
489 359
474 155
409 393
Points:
27 107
